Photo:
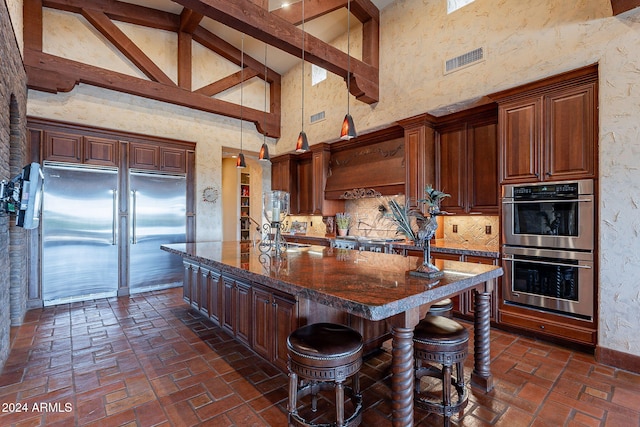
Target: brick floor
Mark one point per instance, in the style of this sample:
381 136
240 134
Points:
150 360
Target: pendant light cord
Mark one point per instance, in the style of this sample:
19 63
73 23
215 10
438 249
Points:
241 87
302 72
265 94
348 52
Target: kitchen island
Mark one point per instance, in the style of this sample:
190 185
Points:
373 286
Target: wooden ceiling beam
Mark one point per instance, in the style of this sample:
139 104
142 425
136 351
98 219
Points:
51 73
363 10
121 11
119 39
189 20
32 11
226 83
246 17
621 6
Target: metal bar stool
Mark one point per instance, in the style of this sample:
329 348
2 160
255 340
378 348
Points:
322 356
440 344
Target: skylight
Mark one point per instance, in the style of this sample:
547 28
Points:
453 5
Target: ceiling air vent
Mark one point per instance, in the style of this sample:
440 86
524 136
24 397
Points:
464 60
317 117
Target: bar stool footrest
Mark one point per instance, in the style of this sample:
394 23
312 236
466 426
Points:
311 387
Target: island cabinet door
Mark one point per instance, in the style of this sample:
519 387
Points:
236 309
274 318
190 283
227 319
262 330
214 287
203 286
243 311
285 321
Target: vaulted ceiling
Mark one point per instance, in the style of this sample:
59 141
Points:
216 25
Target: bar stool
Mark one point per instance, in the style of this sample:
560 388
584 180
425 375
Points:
441 308
438 340
322 356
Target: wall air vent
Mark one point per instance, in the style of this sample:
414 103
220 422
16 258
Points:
464 60
317 117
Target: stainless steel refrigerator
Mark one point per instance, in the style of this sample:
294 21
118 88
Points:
80 232
157 212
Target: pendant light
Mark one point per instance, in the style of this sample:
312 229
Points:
348 130
240 163
264 150
302 145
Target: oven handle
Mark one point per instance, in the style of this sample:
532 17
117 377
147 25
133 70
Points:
514 202
559 264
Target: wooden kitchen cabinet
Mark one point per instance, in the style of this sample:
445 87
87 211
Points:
320 160
419 146
100 151
284 177
210 290
548 129
467 162
237 311
76 148
275 317
62 147
305 186
190 284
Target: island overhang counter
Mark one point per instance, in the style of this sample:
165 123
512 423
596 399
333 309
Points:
373 286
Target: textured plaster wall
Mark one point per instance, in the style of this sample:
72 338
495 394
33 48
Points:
524 41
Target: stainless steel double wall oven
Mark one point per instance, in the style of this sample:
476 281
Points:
549 242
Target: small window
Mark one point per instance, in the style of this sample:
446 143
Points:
453 5
318 74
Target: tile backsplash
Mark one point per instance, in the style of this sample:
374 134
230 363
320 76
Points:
472 229
366 221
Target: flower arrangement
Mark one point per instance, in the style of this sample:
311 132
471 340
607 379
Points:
343 220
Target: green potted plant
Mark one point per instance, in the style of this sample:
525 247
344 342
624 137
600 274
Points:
343 221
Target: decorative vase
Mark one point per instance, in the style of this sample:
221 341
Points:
425 234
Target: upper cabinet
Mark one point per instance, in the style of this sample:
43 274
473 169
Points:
71 143
548 128
419 149
76 148
467 161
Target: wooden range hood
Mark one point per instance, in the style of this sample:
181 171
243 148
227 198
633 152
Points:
367 166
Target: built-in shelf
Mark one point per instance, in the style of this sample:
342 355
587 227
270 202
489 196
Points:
245 206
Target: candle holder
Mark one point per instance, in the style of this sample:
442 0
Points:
275 206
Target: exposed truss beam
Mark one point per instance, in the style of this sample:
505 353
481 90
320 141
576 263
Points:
248 18
124 44
52 73
621 6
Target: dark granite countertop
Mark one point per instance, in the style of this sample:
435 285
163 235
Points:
368 284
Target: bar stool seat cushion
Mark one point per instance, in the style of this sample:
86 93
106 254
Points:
327 340
439 329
